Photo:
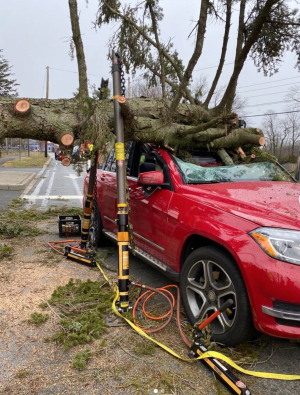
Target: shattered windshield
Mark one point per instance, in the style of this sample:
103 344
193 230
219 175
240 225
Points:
260 171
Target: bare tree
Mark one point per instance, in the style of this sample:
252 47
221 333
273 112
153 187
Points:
293 125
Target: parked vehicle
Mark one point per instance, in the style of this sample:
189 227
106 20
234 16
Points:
77 153
58 155
221 231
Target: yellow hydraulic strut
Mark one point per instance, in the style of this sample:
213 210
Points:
122 213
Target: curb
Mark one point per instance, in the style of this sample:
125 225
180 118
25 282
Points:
8 186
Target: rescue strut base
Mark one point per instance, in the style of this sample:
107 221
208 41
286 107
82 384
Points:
84 260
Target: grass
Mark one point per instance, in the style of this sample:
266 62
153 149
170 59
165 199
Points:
20 222
36 159
81 359
5 251
23 373
38 318
82 307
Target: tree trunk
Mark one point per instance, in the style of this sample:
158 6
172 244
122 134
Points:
229 93
223 53
83 82
145 120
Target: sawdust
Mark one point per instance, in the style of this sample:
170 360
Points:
32 366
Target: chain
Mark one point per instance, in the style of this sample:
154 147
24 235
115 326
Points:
130 227
95 183
122 75
95 195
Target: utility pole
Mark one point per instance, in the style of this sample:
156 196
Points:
47 97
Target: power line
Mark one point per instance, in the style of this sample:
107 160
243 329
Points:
74 72
266 94
275 102
272 113
271 82
213 67
270 87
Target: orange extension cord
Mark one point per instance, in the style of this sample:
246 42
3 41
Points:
57 246
171 300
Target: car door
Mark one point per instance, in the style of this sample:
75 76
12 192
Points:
108 186
148 214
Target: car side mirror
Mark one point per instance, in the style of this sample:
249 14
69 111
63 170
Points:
151 179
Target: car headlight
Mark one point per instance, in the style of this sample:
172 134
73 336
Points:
280 244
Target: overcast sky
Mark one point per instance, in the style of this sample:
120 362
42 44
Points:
35 34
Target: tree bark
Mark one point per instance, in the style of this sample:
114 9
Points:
83 82
184 81
223 53
229 94
159 49
146 120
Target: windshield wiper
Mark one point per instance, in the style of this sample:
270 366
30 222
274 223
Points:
211 181
205 182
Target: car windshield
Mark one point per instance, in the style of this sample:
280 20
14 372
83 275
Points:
260 171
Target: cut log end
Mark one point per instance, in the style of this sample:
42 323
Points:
67 139
121 100
22 106
241 152
66 161
262 141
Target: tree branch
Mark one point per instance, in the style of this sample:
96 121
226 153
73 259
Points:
223 53
81 64
228 97
159 48
146 37
195 57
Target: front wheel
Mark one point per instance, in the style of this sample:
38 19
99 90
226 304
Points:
208 279
96 237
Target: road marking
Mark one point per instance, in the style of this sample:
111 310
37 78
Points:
54 197
75 183
44 203
36 189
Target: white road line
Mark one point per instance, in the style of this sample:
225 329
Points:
75 183
44 203
37 189
53 197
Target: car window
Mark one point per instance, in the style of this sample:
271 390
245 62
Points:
148 162
110 160
110 164
260 171
129 146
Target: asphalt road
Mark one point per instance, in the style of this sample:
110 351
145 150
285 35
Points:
59 186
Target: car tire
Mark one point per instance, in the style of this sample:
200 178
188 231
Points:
96 237
209 278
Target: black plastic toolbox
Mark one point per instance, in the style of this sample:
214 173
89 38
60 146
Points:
69 225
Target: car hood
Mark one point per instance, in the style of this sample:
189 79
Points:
266 203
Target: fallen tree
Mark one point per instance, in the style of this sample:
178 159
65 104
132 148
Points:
165 121
145 120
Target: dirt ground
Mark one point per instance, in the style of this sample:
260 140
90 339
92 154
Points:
30 366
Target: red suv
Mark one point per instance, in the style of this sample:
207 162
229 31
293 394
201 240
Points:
223 232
